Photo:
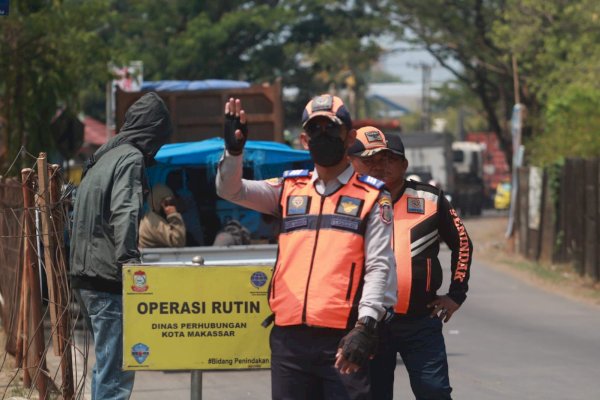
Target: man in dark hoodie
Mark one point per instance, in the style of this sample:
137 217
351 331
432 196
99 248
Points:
106 216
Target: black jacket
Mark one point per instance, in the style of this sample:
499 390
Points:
423 216
108 203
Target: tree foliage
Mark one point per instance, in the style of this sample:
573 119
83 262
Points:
461 32
49 51
553 43
557 43
314 45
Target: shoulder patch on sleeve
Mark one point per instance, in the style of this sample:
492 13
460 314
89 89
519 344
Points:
274 181
369 180
386 212
296 173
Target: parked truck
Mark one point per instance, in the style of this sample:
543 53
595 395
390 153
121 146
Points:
197 112
469 189
495 168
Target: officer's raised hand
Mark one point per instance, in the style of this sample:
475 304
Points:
235 130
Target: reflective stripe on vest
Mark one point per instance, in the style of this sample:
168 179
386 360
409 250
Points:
412 209
319 269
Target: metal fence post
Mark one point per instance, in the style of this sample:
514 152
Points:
196 389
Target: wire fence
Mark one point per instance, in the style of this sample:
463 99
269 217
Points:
45 347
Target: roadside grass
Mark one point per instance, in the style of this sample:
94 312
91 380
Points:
559 278
491 246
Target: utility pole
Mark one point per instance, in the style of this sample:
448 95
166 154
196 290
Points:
425 94
425 103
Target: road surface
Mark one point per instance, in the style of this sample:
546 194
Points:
510 340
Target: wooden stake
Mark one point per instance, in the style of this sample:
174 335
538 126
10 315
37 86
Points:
62 287
44 205
24 316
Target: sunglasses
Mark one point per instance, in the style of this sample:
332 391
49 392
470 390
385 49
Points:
314 129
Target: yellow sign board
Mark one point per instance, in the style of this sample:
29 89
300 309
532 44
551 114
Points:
190 317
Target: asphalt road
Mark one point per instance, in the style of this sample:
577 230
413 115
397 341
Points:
510 340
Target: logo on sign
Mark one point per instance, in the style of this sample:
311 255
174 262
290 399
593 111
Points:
139 281
140 352
258 279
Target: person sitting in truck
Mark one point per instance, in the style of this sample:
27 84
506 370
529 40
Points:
232 234
178 181
162 226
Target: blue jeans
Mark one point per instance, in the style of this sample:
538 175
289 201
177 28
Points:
420 342
105 318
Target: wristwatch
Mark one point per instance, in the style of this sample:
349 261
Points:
368 322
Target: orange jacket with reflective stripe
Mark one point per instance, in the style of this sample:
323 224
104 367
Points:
421 216
319 271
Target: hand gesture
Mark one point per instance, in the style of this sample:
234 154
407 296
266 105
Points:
168 205
355 349
443 308
235 130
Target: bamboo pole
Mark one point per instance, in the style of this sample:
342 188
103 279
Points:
44 205
35 355
62 286
23 318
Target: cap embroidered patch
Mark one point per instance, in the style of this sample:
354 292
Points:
374 136
415 205
349 206
323 102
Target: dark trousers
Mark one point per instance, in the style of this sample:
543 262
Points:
302 366
420 342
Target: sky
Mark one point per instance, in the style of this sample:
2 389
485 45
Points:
403 61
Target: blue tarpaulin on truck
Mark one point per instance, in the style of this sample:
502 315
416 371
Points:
264 156
208 84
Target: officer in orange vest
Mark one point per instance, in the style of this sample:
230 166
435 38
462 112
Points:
334 277
422 215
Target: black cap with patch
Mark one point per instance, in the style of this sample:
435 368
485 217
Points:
394 144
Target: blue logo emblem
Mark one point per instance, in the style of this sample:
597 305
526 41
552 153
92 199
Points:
258 279
140 352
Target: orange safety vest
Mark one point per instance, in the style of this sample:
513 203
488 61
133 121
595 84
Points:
319 271
416 239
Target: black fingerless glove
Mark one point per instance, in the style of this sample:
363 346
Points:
234 145
359 344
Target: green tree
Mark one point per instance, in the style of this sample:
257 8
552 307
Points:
460 32
314 45
49 51
557 45
572 126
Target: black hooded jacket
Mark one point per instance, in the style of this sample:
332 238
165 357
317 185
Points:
108 204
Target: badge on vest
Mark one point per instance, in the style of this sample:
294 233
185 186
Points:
349 206
297 205
415 205
386 212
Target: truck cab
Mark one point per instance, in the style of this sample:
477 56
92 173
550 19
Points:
467 161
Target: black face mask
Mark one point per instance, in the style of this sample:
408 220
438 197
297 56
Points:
326 151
